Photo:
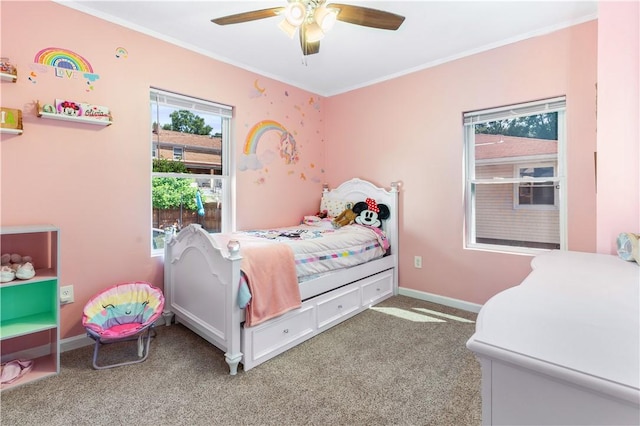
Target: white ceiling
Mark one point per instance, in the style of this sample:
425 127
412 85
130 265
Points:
350 56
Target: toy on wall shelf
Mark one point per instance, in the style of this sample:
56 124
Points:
7 70
96 112
81 109
10 121
70 108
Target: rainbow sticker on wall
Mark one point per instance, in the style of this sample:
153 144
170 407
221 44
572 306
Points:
287 146
67 64
62 58
121 52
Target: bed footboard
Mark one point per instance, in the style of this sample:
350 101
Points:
201 289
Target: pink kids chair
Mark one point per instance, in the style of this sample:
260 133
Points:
123 312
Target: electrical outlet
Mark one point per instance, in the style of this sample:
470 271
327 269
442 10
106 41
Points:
66 294
417 262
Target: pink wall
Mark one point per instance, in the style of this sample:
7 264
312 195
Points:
93 182
410 129
618 121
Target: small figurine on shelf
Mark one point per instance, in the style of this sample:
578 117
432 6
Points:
70 108
6 67
48 108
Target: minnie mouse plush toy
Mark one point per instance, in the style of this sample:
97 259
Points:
370 213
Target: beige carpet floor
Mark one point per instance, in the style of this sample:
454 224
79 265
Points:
394 364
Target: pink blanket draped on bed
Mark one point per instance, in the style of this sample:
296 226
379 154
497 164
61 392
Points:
271 277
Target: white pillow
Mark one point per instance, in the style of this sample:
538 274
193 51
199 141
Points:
335 206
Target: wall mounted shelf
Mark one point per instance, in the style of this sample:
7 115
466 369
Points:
8 77
54 116
51 114
11 131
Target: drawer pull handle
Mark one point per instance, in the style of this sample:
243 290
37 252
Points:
285 331
339 306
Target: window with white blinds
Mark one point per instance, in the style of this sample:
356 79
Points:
515 176
191 178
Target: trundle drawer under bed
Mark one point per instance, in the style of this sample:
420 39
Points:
265 341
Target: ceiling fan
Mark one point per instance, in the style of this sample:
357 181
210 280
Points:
313 18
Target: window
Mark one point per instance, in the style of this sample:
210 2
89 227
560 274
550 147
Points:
536 194
177 153
515 177
191 178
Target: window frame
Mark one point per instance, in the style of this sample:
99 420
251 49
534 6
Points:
470 119
226 179
516 190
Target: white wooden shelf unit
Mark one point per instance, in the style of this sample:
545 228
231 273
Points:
30 309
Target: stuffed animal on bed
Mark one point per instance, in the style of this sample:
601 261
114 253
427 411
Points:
345 218
370 213
629 247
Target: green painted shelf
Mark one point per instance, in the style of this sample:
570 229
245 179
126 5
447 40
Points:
30 309
27 325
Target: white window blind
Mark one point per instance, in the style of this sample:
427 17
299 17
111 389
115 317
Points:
188 103
520 110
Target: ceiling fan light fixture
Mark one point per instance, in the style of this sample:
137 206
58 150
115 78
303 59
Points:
287 28
314 19
325 17
313 32
295 13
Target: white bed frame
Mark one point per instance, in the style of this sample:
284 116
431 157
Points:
201 288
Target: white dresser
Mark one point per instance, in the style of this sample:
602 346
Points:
563 347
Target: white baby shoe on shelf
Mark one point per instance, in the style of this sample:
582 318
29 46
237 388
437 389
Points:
25 271
7 274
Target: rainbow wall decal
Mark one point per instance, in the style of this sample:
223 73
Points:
63 58
256 133
121 52
287 147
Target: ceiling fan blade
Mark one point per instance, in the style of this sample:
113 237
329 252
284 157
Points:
367 17
248 16
308 47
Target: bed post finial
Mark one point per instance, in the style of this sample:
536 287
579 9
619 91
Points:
234 248
325 187
394 186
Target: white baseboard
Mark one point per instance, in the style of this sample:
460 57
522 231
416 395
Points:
442 300
76 342
30 353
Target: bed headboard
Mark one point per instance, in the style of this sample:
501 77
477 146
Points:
359 190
